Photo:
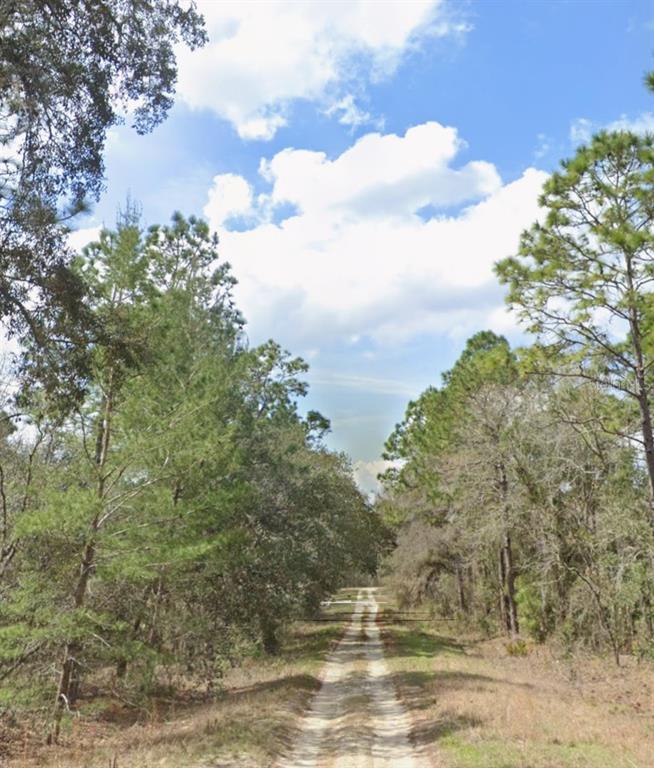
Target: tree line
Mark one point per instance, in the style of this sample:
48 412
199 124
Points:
179 508
523 491
525 483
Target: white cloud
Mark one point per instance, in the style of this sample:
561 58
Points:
262 56
380 176
261 127
357 259
365 474
643 123
349 113
582 129
229 196
544 146
81 237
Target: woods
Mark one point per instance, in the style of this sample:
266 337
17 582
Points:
166 504
181 509
524 484
174 517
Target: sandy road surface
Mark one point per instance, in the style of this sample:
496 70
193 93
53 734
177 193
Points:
356 719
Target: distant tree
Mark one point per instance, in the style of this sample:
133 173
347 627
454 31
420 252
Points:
515 500
454 444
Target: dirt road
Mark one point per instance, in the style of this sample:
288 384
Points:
356 719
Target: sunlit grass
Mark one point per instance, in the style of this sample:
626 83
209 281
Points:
475 707
498 754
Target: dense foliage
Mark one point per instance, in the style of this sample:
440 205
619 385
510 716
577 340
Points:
163 504
183 509
69 71
523 489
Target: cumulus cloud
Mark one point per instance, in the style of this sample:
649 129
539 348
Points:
264 55
389 240
366 472
229 197
379 176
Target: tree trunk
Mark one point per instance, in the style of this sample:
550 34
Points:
642 388
121 664
647 615
461 589
121 669
509 573
68 688
154 618
507 569
504 622
269 637
648 440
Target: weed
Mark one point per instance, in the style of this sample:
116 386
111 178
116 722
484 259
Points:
517 648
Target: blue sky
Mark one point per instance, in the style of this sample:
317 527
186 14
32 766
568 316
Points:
365 163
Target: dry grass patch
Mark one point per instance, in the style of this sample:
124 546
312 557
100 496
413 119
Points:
248 726
475 706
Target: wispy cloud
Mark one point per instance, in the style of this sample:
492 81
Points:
582 129
364 383
348 112
544 146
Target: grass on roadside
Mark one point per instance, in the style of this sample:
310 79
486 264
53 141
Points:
474 706
253 721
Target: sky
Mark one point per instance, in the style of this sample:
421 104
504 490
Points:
366 163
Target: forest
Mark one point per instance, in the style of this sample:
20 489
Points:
178 507
169 507
523 487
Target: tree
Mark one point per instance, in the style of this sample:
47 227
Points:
68 70
454 443
516 488
582 280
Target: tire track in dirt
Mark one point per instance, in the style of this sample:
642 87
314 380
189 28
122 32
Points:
356 719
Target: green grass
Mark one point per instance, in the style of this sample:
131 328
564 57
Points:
420 641
469 710
488 753
307 643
